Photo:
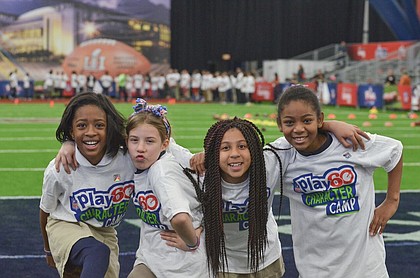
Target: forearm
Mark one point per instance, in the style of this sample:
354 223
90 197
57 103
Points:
183 226
394 182
43 223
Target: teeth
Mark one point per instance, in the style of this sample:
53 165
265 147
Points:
299 138
235 164
91 143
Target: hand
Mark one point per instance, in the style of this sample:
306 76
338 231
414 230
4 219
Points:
174 240
50 261
344 132
381 216
66 157
197 163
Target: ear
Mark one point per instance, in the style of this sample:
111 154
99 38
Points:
321 120
165 144
279 124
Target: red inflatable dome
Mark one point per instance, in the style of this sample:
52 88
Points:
100 55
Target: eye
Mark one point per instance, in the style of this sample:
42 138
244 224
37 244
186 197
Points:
100 125
80 125
288 123
308 121
243 146
224 148
133 140
150 141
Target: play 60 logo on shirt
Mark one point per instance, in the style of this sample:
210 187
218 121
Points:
107 207
148 208
335 189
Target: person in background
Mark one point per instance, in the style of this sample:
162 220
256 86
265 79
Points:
74 83
81 82
405 79
122 90
49 85
301 74
27 87
138 84
90 82
106 83
390 78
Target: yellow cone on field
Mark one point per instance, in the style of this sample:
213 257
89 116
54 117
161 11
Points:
373 110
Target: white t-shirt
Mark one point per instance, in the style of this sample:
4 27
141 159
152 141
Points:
161 192
332 201
95 194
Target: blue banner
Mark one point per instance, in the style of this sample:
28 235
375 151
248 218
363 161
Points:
370 95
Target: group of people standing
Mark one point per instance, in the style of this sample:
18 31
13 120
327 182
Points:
13 89
219 224
197 86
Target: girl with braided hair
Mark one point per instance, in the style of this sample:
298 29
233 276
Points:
240 229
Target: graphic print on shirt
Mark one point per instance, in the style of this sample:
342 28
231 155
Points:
106 207
238 212
335 189
148 208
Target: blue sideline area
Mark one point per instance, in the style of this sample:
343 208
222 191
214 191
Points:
21 249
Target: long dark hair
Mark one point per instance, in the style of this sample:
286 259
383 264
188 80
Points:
211 195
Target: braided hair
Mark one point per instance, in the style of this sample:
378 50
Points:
211 195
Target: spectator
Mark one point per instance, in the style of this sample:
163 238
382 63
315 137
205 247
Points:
405 79
390 78
301 74
106 82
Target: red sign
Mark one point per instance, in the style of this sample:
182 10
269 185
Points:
378 51
404 92
347 94
263 91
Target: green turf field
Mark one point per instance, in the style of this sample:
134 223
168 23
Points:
27 137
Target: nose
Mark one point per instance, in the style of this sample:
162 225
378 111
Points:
298 127
91 130
141 146
234 153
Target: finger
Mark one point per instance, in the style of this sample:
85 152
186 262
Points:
360 141
344 142
373 227
362 133
66 168
57 163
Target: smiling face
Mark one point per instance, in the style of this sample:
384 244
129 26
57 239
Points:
235 157
145 145
89 132
299 123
